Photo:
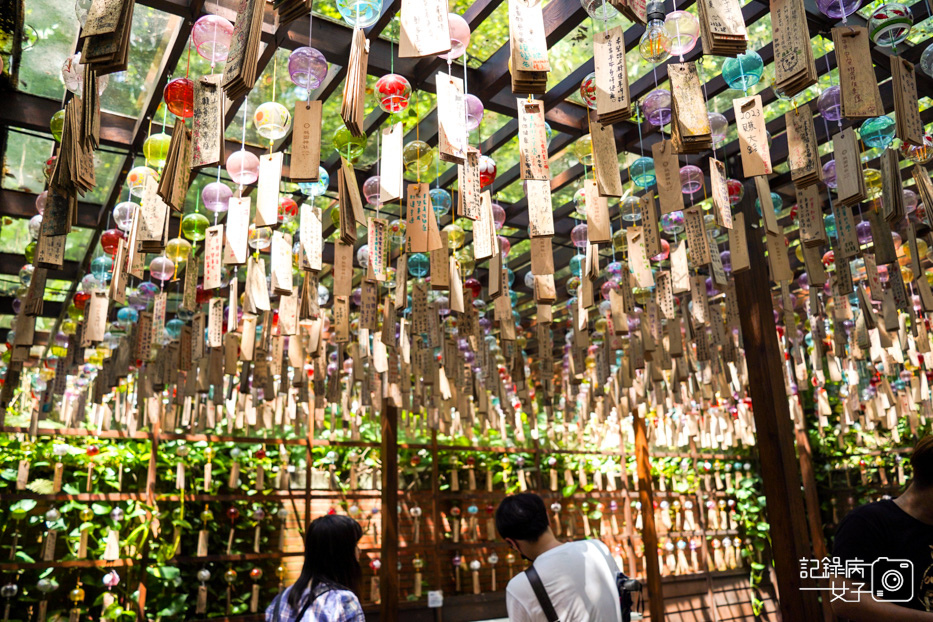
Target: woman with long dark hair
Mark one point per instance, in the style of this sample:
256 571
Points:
327 589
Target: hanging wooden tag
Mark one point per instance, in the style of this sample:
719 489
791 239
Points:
649 219
237 230
738 244
722 208
858 87
638 257
695 230
281 253
257 290
605 157
540 210
848 245
451 118
532 140
353 191
468 194
667 172
377 239
267 190
153 214
213 246
909 125
485 242
598 228
423 28
753 136
207 140
850 182
305 162
422 232
680 270
96 322
542 256
440 266
311 238
613 100
777 258
390 178
803 155
456 287
343 269
810 218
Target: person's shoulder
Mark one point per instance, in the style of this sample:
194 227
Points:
873 512
518 584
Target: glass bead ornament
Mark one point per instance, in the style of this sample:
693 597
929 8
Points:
455 235
459 31
102 268
137 178
838 9
890 24
873 186
578 235
272 120
919 154
474 111
371 190
110 240
830 103
776 201
829 174
599 9
691 179
393 92
57 125
178 249
579 202
743 71
441 201
877 132
307 68
487 171
41 199
346 144
73 73
642 172
316 188
194 226
498 215
926 60
418 265
397 230
417 158
211 35
736 191
216 197
588 90
718 126
259 238
655 44
466 259
583 150
359 13
155 149
683 30
179 97
243 167
630 207
656 107
123 214
161 268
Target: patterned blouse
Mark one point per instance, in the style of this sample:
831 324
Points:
331 604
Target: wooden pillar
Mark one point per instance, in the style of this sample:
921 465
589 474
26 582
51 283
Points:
779 471
388 579
812 501
649 534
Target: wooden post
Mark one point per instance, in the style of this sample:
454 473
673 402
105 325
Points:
649 534
812 501
779 472
388 579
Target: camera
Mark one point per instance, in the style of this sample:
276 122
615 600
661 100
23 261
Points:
892 580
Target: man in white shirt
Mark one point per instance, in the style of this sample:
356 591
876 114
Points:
579 577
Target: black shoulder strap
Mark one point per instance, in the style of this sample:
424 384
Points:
543 599
276 615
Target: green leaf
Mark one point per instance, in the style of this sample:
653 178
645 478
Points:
41 486
21 555
100 509
24 505
757 566
568 491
